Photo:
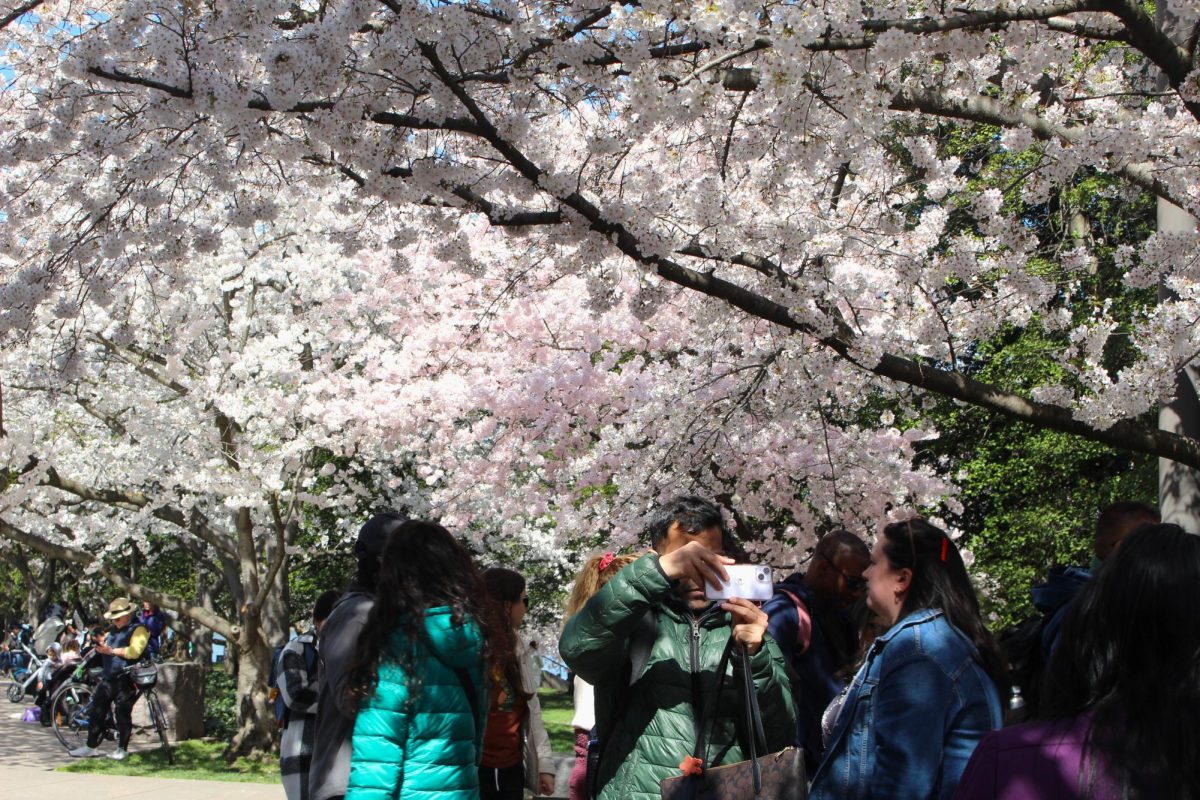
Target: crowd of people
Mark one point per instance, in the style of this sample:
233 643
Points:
874 663
128 635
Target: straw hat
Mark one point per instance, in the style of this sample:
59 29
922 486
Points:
119 608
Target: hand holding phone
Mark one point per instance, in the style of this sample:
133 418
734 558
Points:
747 581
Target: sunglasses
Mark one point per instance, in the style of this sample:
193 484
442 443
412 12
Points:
525 599
852 583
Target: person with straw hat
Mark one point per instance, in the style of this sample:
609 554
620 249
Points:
121 647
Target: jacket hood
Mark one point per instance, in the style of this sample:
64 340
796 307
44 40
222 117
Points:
454 644
1061 585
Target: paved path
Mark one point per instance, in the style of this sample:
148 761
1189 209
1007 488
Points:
27 744
42 782
30 753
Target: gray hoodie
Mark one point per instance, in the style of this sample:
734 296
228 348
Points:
330 769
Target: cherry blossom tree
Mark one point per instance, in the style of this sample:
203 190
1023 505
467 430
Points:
758 155
601 252
216 402
180 410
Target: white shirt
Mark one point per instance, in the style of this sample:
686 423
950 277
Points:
585 706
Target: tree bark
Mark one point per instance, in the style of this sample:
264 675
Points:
1178 484
256 716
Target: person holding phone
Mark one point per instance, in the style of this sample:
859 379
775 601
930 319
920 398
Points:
651 642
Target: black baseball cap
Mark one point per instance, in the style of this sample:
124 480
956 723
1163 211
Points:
373 535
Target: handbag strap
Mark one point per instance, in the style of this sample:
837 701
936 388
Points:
700 718
754 726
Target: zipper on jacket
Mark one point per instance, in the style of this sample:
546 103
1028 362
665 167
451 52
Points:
695 645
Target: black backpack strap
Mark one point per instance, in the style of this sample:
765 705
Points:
310 658
468 687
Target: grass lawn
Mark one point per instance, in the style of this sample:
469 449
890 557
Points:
557 710
199 760
194 759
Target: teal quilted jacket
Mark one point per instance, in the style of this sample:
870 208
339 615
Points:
429 747
657 729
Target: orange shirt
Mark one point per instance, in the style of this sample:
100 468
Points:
502 736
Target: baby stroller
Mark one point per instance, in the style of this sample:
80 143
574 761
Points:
25 680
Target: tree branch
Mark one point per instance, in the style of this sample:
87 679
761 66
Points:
139 591
984 109
196 524
1155 44
974 19
18 12
1127 434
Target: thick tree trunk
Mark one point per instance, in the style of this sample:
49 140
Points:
1178 485
255 716
263 624
38 589
276 614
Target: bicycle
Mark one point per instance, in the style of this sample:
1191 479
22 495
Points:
72 704
24 679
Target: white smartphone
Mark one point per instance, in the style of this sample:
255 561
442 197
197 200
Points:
747 581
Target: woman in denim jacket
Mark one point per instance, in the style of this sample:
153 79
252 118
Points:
926 693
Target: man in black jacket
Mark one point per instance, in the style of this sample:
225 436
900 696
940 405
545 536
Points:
334 725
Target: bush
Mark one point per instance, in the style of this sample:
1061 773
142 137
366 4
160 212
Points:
220 704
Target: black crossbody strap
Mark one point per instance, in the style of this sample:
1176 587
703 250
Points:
702 720
754 726
468 687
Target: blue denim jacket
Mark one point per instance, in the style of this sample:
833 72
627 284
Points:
914 713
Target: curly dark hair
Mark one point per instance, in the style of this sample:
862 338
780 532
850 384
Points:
1130 653
422 566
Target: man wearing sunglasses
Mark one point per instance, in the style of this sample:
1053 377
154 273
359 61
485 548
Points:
810 618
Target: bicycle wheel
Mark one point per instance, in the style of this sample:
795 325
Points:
69 707
160 723
15 692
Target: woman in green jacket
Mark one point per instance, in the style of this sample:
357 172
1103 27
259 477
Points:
420 673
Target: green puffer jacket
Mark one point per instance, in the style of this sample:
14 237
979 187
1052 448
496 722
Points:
430 750
657 729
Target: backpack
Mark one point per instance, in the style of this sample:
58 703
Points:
802 611
1022 648
282 712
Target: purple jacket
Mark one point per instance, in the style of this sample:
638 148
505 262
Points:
1033 761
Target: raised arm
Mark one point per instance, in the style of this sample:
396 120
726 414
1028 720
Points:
595 641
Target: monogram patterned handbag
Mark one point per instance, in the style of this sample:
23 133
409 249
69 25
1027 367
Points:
781 777
775 776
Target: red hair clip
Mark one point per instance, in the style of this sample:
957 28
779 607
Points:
945 545
605 562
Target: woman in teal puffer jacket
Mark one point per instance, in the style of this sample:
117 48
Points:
420 673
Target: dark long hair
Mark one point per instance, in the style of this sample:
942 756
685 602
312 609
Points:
1130 653
422 567
940 581
505 586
